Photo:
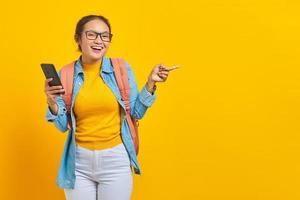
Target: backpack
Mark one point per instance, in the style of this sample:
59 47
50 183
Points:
120 71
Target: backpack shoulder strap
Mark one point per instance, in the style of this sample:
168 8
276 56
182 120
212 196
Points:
121 75
66 77
122 79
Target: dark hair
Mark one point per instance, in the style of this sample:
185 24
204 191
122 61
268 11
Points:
86 19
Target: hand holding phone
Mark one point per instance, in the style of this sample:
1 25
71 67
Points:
53 78
53 86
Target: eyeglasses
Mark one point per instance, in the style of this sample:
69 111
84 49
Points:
104 36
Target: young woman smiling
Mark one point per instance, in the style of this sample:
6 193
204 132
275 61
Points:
99 152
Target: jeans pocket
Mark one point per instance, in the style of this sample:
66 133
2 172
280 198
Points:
120 152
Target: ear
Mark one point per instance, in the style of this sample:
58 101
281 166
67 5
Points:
77 39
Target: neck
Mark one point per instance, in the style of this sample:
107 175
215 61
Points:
85 60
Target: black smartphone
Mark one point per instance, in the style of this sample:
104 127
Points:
50 72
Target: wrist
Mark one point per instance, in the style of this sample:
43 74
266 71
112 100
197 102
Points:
150 86
51 103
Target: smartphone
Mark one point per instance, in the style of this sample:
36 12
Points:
50 72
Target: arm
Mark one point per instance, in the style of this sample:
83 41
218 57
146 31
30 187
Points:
60 118
139 101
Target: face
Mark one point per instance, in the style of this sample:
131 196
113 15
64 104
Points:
93 49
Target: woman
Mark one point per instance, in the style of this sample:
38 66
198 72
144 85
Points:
99 152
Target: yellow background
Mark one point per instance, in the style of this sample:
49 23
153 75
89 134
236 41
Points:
224 126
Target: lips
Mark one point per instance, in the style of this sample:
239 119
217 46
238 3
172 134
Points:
96 49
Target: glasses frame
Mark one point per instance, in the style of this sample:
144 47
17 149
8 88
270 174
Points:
100 34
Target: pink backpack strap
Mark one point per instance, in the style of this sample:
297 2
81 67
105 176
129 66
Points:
66 77
121 75
122 80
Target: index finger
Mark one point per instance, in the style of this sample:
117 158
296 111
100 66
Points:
49 79
172 68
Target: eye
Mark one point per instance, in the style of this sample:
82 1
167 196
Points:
91 34
105 34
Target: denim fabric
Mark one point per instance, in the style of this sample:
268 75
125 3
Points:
139 103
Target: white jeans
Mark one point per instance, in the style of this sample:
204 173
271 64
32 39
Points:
101 174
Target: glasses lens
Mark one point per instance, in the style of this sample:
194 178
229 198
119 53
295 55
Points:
106 37
91 35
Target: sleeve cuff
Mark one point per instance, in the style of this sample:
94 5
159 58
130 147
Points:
146 97
51 117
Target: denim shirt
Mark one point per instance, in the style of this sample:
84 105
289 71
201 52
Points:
139 103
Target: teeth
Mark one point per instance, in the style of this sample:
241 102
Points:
98 48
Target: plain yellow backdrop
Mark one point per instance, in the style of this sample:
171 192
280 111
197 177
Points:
224 126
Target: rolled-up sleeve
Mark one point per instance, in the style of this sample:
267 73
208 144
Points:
50 117
146 97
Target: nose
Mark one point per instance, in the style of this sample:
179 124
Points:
98 39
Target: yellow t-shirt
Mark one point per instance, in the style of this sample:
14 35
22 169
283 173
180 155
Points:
97 112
